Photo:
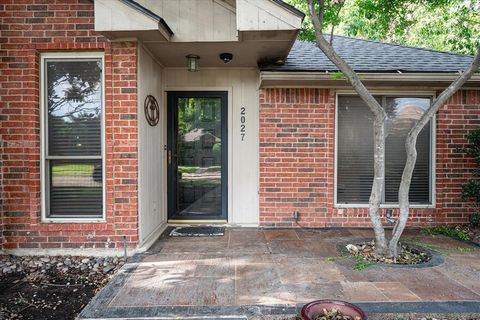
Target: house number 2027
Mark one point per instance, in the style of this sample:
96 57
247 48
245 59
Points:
242 123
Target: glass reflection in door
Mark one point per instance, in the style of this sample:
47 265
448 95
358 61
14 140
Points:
197 156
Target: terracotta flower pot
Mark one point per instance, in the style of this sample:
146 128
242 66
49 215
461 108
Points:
316 307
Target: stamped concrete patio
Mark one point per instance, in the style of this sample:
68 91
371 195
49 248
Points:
262 271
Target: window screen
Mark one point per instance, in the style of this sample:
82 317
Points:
73 148
355 149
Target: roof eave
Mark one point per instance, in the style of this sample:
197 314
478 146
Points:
290 8
287 78
162 23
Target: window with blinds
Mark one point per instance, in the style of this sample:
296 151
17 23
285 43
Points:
355 149
73 137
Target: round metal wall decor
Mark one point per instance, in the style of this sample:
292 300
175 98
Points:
152 111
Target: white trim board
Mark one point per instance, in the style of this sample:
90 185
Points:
152 237
325 75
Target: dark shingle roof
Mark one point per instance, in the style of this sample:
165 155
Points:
371 56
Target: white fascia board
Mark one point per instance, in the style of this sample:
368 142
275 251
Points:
116 19
320 77
265 15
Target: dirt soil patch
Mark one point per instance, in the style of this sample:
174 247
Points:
51 287
408 254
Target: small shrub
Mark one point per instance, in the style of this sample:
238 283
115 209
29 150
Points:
446 231
471 189
362 264
474 219
217 149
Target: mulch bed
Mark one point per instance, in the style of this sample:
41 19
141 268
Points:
55 287
407 254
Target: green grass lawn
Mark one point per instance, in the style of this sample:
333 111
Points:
214 168
188 169
77 169
193 169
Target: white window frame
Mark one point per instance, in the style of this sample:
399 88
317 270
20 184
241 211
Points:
433 153
68 56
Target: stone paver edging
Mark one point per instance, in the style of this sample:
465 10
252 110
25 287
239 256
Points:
436 258
247 311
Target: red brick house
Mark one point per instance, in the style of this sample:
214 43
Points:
251 126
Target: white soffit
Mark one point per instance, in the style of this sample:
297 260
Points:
252 30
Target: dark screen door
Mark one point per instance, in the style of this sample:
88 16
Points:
197 155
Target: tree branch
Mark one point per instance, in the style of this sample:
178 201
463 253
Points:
410 146
337 14
446 94
349 73
317 20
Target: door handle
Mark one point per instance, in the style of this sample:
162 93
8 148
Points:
170 155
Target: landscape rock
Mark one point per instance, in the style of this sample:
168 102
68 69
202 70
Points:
352 248
108 268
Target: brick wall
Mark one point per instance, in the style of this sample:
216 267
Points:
297 140
28 28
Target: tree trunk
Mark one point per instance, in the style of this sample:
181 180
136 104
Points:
377 185
403 191
379 126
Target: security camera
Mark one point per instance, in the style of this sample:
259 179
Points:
226 57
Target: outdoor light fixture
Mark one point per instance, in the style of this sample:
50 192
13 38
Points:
226 57
192 62
389 216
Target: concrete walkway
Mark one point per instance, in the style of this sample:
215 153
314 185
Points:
255 271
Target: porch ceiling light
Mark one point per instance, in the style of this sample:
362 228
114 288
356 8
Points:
192 62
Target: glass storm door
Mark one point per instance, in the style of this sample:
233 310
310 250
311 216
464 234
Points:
197 155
